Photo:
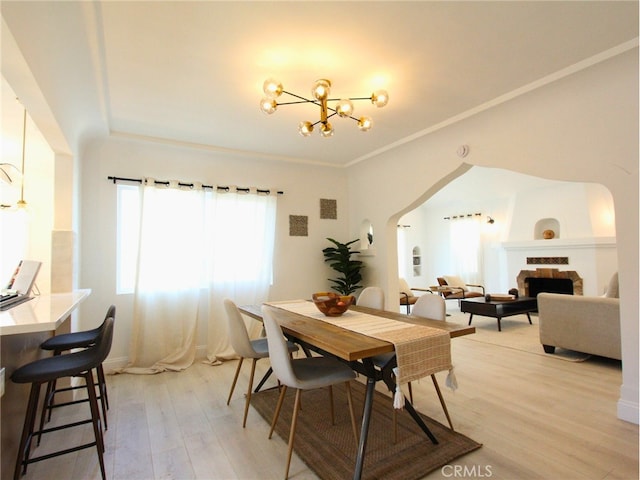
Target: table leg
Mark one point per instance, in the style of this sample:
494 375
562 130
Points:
264 379
366 417
388 379
529 317
499 326
470 317
419 421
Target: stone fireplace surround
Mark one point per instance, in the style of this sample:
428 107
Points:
523 286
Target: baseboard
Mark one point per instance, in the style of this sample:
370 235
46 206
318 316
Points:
629 411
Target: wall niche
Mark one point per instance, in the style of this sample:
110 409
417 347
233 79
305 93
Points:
546 229
417 261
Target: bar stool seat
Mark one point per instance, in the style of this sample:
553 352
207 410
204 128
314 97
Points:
71 341
39 372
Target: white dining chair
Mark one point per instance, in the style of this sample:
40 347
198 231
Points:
372 297
246 348
434 308
430 306
303 374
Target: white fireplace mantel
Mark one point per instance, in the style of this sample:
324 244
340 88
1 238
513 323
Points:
561 243
595 258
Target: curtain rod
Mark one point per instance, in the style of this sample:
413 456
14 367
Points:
181 184
454 217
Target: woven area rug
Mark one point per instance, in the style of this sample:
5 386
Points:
330 450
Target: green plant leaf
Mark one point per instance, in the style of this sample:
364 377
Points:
339 259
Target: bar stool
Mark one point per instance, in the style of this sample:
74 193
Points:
45 370
70 341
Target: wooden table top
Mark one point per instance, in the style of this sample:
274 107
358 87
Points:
344 343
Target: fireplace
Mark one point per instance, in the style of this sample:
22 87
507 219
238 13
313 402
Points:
537 285
532 282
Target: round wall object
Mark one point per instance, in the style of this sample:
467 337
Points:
548 234
463 151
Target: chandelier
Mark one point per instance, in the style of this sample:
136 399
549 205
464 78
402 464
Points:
320 92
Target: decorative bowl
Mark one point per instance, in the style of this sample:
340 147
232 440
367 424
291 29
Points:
332 304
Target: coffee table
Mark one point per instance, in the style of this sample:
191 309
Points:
498 309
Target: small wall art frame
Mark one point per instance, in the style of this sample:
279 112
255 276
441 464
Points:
298 226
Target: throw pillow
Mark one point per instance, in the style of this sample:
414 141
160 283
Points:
405 288
455 281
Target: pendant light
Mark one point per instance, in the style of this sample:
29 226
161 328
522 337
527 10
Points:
9 173
22 203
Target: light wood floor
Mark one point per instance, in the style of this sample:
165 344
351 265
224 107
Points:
537 418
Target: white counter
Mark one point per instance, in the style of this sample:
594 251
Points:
42 313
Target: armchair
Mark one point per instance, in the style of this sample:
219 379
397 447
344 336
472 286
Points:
406 294
453 287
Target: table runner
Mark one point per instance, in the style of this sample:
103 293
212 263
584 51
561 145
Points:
420 350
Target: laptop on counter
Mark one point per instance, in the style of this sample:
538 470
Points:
18 289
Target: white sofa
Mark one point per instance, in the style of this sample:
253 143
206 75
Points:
584 324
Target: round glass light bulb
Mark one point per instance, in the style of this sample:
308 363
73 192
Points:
380 98
305 129
326 130
268 105
272 87
365 123
344 108
321 89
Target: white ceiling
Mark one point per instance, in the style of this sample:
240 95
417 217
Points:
192 72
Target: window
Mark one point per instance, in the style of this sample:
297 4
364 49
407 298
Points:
465 248
172 238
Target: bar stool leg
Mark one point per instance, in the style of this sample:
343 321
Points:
48 400
103 390
49 405
95 416
27 430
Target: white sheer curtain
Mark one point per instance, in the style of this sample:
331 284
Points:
465 250
196 247
240 259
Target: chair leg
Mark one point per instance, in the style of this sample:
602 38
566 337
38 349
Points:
48 400
106 396
444 405
102 399
352 415
235 379
410 393
27 431
248 400
292 431
102 380
95 416
276 414
49 404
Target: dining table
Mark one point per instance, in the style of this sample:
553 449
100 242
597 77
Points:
357 350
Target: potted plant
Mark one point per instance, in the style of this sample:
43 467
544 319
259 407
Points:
339 258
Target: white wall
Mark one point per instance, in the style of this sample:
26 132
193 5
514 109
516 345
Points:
299 267
583 128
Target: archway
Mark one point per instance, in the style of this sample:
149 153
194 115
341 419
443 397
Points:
512 210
